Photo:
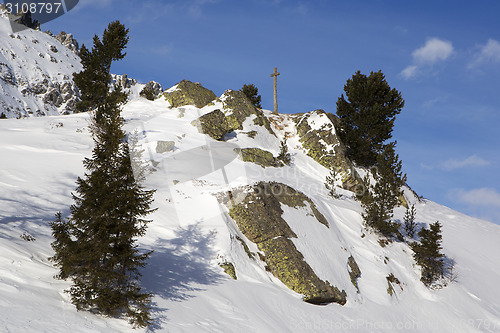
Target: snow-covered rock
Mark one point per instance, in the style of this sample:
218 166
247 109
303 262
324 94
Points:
36 73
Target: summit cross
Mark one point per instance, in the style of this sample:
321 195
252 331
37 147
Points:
275 76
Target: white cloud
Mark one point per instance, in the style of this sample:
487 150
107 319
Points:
434 51
471 161
409 71
485 197
490 52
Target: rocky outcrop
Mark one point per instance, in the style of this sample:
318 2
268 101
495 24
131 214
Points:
214 124
189 93
24 19
238 108
165 146
258 214
354 271
151 90
69 41
228 268
123 81
258 156
324 146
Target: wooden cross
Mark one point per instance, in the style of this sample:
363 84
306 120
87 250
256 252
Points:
275 76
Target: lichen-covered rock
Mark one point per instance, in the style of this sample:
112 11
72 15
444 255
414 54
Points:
239 107
288 265
258 156
324 146
165 146
229 269
214 124
259 217
189 93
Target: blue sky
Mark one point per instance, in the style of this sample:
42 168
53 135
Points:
444 57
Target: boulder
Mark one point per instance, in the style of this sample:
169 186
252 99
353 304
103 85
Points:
214 124
258 156
164 146
189 93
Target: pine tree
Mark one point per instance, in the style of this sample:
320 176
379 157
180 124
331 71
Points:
330 184
93 82
380 202
428 254
284 155
409 221
252 92
96 246
367 114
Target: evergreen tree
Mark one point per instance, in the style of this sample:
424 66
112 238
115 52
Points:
380 202
96 246
409 220
428 253
330 184
93 82
252 92
284 155
367 114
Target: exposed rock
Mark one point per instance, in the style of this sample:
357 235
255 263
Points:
259 217
214 124
165 146
6 74
25 19
239 107
288 265
69 41
53 97
229 269
324 146
354 271
123 81
258 156
151 90
189 93
391 281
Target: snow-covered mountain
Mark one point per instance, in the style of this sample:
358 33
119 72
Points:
226 202
36 71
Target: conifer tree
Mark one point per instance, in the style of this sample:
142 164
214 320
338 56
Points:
367 114
330 184
428 254
96 246
252 92
409 220
284 155
380 202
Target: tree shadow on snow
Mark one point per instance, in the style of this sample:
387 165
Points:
180 266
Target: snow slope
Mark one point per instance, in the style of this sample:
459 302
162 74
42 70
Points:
36 73
191 234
